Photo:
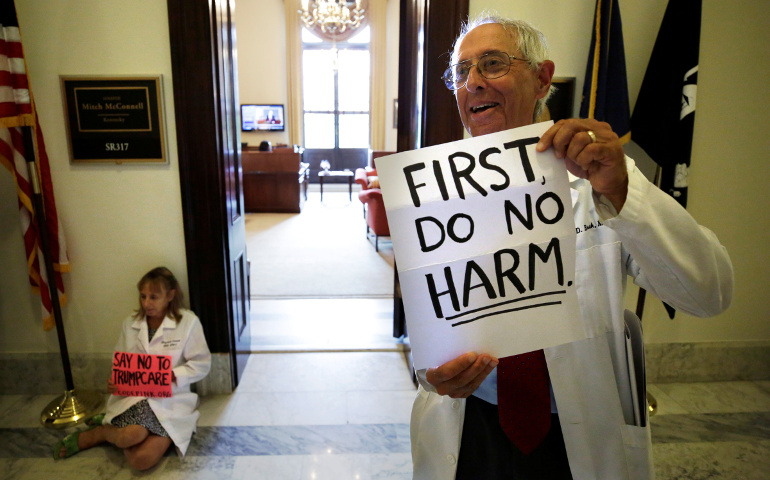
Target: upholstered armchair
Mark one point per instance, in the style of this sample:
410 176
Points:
371 198
364 177
374 210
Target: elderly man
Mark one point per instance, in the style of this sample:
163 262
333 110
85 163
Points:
501 77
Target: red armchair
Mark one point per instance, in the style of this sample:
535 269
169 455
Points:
374 210
363 177
371 198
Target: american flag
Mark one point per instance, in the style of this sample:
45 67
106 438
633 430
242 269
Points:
17 112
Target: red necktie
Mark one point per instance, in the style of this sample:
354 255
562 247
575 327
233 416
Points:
524 399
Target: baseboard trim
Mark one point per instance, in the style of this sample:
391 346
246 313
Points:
42 373
707 361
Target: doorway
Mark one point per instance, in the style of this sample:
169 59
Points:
319 261
317 282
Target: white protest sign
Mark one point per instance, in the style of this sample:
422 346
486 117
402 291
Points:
484 239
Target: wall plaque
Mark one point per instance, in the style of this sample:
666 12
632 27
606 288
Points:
114 119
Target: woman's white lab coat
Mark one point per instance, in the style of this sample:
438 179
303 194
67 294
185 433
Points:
658 243
190 360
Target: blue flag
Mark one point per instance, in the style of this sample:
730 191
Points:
605 91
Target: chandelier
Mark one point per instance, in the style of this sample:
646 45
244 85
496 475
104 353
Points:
332 16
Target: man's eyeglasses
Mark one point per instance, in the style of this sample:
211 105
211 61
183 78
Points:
491 65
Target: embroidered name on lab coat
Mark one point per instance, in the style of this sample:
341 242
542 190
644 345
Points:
170 343
589 226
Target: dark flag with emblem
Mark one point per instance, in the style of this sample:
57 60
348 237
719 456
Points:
664 116
605 91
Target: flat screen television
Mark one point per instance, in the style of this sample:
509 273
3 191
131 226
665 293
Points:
262 117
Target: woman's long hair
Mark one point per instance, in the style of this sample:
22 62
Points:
161 278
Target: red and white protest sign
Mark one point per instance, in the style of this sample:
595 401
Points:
141 375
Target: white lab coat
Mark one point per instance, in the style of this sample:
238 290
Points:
190 360
658 243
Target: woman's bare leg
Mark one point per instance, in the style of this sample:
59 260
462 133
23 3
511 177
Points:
147 454
124 437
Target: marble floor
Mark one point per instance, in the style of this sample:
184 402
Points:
354 324
340 410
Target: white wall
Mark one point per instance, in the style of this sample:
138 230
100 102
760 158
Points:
730 145
260 27
119 220
261 31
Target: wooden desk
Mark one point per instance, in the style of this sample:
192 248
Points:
273 181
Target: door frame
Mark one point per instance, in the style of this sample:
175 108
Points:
203 171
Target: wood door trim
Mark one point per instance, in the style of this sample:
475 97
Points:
203 209
441 120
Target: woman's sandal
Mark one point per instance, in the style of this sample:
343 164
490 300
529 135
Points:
69 444
96 420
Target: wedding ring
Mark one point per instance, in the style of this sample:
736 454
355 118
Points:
592 135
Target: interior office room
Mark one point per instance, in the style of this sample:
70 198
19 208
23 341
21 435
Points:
343 411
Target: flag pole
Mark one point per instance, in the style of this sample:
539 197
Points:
652 402
72 407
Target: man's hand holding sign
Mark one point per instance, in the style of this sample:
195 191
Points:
591 150
485 240
141 375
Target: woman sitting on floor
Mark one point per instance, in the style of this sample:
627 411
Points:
146 427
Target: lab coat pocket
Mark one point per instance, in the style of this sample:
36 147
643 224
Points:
637 445
599 277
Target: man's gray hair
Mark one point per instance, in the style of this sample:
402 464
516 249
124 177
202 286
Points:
529 41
